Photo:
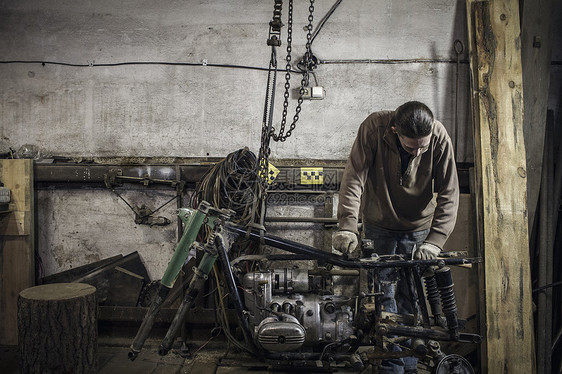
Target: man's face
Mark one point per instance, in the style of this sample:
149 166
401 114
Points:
414 146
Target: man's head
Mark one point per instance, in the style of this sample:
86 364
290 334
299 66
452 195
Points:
413 120
413 123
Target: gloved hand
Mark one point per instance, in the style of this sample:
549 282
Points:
426 251
345 241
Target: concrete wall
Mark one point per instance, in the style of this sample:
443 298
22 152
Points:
77 106
161 110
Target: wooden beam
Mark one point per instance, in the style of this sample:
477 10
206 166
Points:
497 101
17 256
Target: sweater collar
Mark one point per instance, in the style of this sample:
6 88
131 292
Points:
390 137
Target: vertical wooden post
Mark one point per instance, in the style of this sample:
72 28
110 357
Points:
497 100
17 256
537 19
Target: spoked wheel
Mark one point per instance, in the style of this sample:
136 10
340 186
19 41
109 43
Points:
453 364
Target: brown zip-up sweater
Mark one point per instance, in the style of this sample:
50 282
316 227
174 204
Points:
374 185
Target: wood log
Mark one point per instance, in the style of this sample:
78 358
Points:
57 327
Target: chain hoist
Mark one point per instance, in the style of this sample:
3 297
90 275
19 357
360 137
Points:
268 131
282 136
274 41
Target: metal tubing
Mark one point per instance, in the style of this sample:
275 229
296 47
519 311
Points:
193 223
233 290
302 219
302 249
148 322
196 284
418 332
422 303
80 173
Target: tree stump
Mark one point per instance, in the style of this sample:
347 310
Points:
57 327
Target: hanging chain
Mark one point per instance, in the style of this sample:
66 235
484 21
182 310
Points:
274 41
268 131
282 135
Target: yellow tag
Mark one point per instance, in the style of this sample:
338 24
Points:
312 175
272 172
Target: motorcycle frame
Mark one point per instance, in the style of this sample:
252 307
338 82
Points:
218 246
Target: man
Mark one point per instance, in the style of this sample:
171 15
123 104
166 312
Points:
397 161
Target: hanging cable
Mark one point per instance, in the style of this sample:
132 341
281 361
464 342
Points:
133 63
324 19
232 183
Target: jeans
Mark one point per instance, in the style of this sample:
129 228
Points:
396 298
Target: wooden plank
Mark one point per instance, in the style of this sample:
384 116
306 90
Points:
17 259
17 175
500 161
536 54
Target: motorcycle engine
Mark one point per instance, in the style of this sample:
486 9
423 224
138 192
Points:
286 313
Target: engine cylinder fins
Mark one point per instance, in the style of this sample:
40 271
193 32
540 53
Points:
288 308
280 336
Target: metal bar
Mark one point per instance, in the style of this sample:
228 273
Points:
196 284
289 176
233 290
302 219
422 301
298 248
193 223
75 173
418 332
148 322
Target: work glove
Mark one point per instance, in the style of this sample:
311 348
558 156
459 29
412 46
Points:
345 241
426 251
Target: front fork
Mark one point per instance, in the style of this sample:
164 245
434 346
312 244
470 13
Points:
193 221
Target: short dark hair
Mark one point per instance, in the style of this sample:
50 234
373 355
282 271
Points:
413 120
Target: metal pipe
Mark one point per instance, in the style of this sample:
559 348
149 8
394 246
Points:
196 284
233 290
193 222
302 249
148 322
302 219
75 173
425 333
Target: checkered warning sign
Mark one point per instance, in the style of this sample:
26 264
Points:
272 172
312 175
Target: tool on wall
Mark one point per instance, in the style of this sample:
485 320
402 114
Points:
459 48
143 215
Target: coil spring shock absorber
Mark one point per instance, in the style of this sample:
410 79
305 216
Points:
445 284
432 295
